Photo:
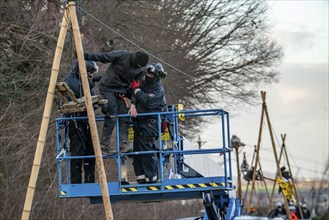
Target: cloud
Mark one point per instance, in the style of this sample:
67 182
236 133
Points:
302 87
296 40
302 30
303 45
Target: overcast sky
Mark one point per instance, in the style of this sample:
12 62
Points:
298 104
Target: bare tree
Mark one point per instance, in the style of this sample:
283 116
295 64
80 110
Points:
217 52
223 46
214 51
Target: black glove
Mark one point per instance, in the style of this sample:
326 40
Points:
96 78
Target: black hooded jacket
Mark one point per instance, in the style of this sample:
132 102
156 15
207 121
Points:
151 98
120 72
75 83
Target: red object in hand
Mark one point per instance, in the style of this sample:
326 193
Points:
135 84
163 127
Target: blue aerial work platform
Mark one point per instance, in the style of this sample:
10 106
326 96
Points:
179 177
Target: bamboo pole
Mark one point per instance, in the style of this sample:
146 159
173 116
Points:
283 137
45 120
257 157
274 150
276 176
90 111
247 189
263 179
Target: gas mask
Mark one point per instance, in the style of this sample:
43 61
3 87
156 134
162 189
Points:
150 78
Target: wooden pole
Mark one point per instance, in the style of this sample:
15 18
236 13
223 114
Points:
90 111
276 176
247 188
257 157
45 120
239 191
274 149
283 137
264 182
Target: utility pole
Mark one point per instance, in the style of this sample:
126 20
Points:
69 15
236 143
200 142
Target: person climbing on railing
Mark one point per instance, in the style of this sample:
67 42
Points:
125 66
79 131
148 96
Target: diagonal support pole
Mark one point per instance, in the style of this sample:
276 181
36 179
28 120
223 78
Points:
91 113
276 176
45 119
283 137
257 156
69 13
274 151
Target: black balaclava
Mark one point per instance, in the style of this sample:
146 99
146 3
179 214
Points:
150 80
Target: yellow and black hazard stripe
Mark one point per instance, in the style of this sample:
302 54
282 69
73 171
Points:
172 187
153 188
129 189
191 186
135 189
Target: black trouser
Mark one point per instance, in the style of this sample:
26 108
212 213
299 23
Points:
81 145
145 165
116 105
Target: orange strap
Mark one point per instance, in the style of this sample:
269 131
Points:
125 100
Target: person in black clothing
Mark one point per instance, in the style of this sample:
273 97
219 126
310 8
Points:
285 176
305 211
79 131
285 173
279 211
125 66
148 96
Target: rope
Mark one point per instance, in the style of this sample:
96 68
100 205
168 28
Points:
154 56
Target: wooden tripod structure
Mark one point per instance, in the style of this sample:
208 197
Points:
266 114
69 15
